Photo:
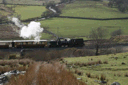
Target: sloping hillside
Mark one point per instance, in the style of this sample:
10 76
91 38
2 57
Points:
4 11
8 32
94 69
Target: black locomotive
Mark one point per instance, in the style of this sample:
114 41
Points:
60 42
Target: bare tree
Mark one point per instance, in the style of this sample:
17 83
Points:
98 38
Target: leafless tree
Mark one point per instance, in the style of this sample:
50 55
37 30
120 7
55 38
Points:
98 38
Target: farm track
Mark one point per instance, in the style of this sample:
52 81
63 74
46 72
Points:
36 71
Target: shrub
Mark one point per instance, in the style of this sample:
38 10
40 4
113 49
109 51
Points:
88 75
116 32
12 56
102 78
78 72
105 62
99 62
126 75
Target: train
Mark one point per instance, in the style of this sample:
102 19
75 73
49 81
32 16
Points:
60 42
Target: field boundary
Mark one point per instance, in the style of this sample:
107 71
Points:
121 18
102 19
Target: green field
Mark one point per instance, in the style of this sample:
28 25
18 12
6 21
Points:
34 2
91 9
46 36
28 11
114 71
80 27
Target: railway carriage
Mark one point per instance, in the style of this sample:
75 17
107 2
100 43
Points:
5 44
29 43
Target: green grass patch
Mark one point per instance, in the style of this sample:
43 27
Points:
79 27
28 11
92 9
46 36
114 70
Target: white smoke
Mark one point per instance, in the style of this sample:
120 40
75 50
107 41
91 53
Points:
32 30
17 22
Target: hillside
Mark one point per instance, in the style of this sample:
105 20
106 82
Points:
7 32
66 27
91 9
26 12
112 68
4 11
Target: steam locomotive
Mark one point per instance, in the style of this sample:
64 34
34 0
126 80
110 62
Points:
60 42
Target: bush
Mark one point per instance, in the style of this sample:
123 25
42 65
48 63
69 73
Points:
48 13
12 56
116 32
122 8
102 78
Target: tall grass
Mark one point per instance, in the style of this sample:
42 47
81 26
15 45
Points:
55 74
48 74
26 79
8 65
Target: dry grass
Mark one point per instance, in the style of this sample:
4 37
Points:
52 73
89 63
21 65
16 62
55 74
26 79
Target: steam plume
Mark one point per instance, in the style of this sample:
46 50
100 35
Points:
32 30
17 22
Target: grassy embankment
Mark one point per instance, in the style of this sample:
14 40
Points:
81 27
111 67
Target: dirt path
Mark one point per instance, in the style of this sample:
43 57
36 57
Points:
36 71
